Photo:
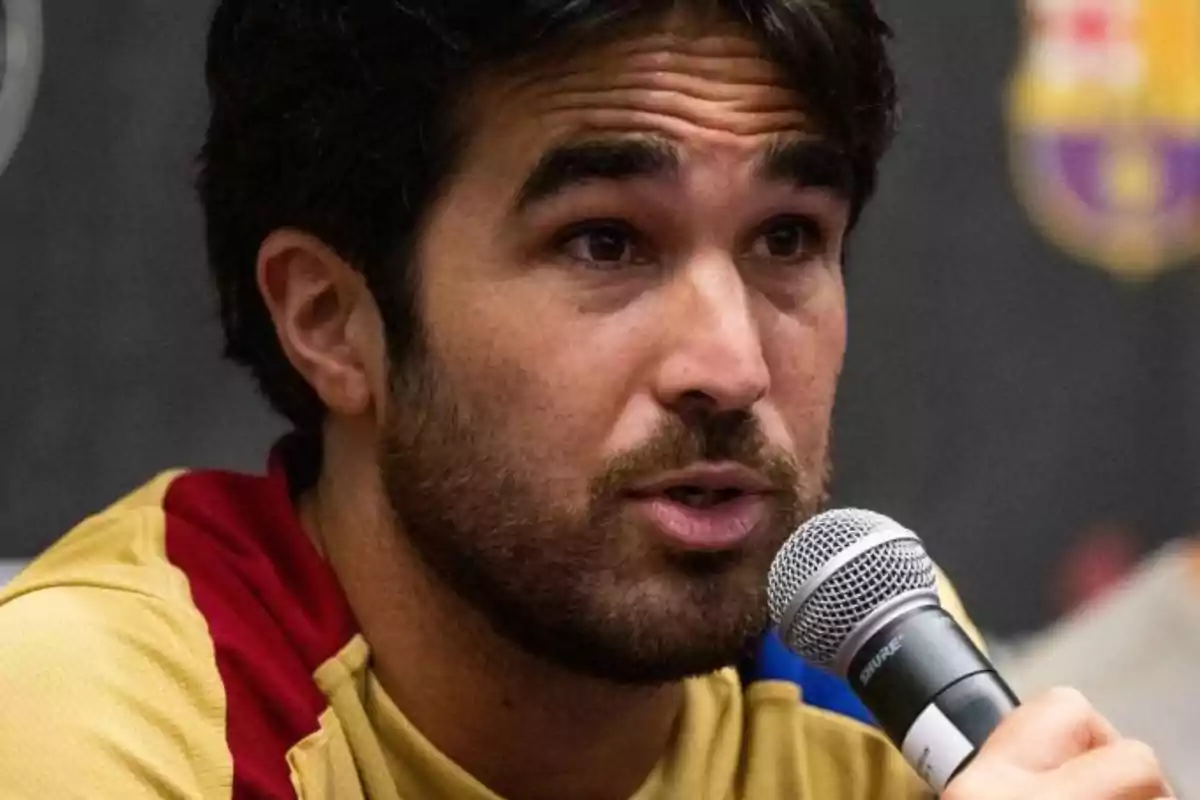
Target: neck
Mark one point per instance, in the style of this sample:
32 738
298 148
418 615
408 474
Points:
523 727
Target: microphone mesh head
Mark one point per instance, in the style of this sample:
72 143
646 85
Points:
844 598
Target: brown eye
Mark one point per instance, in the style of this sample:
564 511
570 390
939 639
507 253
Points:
605 245
786 239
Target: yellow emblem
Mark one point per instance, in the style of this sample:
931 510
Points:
1104 113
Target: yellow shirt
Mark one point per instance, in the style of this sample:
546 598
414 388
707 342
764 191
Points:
190 643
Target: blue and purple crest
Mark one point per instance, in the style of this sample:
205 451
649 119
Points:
1105 129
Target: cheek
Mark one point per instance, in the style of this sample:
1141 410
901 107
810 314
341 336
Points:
513 352
827 340
536 397
807 362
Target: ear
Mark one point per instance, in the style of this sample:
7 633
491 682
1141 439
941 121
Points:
326 319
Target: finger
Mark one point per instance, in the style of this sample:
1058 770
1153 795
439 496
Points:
1124 770
1048 731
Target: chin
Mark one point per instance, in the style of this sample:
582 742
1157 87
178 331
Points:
669 628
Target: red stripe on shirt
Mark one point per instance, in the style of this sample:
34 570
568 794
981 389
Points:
274 610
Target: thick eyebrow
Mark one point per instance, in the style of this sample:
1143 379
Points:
808 163
615 159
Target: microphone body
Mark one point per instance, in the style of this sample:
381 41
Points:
935 695
856 593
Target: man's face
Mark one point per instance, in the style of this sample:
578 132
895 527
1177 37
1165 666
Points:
634 322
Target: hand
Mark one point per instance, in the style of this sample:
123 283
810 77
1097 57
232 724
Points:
1058 747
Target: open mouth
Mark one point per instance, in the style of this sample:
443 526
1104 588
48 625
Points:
707 507
700 497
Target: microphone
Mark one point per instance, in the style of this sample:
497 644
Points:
855 592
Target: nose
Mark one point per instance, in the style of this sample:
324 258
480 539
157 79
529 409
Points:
714 361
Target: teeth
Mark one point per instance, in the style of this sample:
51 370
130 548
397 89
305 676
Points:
693 497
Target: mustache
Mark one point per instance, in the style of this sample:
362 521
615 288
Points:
727 437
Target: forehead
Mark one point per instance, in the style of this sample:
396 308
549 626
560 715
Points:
709 88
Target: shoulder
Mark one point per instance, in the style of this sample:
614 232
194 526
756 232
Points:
106 659
954 606
839 756
196 611
121 549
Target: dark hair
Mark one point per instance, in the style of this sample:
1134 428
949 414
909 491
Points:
336 117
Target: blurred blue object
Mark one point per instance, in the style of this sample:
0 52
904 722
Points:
819 688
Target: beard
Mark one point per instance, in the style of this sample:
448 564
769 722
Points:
583 583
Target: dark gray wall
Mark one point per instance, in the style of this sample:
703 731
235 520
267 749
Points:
109 341
999 396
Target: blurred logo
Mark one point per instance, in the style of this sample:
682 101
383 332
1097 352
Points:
1105 129
20 70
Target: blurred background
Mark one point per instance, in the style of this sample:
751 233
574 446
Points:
1023 386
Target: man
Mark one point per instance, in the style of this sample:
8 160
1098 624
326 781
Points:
552 295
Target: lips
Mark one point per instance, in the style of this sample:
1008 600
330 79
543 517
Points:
712 479
706 508
699 497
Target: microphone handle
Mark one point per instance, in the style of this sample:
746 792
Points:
936 696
